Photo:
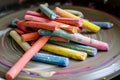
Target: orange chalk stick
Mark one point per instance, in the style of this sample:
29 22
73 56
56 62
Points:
19 31
34 24
34 18
68 28
64 13
30 36
14 71
35 35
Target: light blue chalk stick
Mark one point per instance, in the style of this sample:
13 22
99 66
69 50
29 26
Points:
47 11
104 25
51 59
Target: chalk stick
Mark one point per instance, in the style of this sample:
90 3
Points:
20 64
24 45
91 51
77 37
40 57
90 26
47 11
46 32
71 21
51 59
38 25
34 13
86 24
103 25
66 27
64 13
15 25
19 31
57 38
30 36
75 12
77 55
35 35
34 18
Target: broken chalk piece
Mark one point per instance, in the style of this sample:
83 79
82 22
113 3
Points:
47 11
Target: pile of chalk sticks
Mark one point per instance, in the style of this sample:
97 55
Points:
57 31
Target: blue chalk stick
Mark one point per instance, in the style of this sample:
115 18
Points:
51 59
104 25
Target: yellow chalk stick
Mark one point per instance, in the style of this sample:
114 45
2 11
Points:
24 45
86 24
90 26
77 55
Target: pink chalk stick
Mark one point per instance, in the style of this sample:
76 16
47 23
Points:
79 38
33 13
14 71
35 18
91 42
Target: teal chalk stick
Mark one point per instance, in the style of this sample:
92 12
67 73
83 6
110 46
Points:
91 51
45 32
47 11
14 23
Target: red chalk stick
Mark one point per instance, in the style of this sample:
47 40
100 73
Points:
19 31
24 29
34 24
14 71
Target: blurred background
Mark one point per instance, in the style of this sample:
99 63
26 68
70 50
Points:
110 6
